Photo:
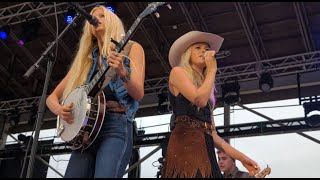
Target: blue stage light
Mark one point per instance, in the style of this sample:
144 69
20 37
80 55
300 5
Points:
3 35
70 14
69 19
111 8
4 32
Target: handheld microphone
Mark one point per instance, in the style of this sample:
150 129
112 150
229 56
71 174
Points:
220 55
91 19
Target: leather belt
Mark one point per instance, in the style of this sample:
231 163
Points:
193 122
115 106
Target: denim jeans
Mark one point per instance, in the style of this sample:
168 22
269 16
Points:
110 153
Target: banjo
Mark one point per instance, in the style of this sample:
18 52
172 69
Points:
90 102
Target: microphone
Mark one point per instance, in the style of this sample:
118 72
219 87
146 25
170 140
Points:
221 54
91 19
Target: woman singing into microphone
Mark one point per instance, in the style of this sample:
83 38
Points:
191 148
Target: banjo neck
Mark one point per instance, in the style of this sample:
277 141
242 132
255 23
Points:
92 88
90 102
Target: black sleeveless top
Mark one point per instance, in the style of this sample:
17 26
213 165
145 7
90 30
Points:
182 106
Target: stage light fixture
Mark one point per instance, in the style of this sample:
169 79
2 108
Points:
14 117
21 42
4 32
33 114
230 93
70 14
312 113
163 108
3 119
24 139
266 82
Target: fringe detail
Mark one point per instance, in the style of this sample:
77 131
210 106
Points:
187 154
175 171
212 157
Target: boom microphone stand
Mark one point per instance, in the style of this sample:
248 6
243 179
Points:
48 55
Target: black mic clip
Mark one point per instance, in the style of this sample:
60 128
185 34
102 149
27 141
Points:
91 19
115 42
117 45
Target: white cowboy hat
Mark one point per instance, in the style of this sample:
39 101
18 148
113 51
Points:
190 38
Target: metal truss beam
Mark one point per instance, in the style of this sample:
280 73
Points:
186 13
29 55
158 85
287 65
231 131
25 50
137 163
46 23
150 40
53 32
252 32
13 54
240 130
72 29
165 46
31 7
282 124
188 16
204 26
23 105
161 83
25 10
157 26
45 148
282 66
163 41
8 86
293 64
9 76
191 23
302 17
13 14
13 81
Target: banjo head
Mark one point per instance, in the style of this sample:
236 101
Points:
79 98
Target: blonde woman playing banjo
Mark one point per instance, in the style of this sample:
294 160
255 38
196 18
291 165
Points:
103 148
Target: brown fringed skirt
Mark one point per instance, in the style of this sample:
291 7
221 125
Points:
190 152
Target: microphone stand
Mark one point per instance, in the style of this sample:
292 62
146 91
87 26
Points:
50 57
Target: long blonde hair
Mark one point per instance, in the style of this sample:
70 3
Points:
196 77
83 60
